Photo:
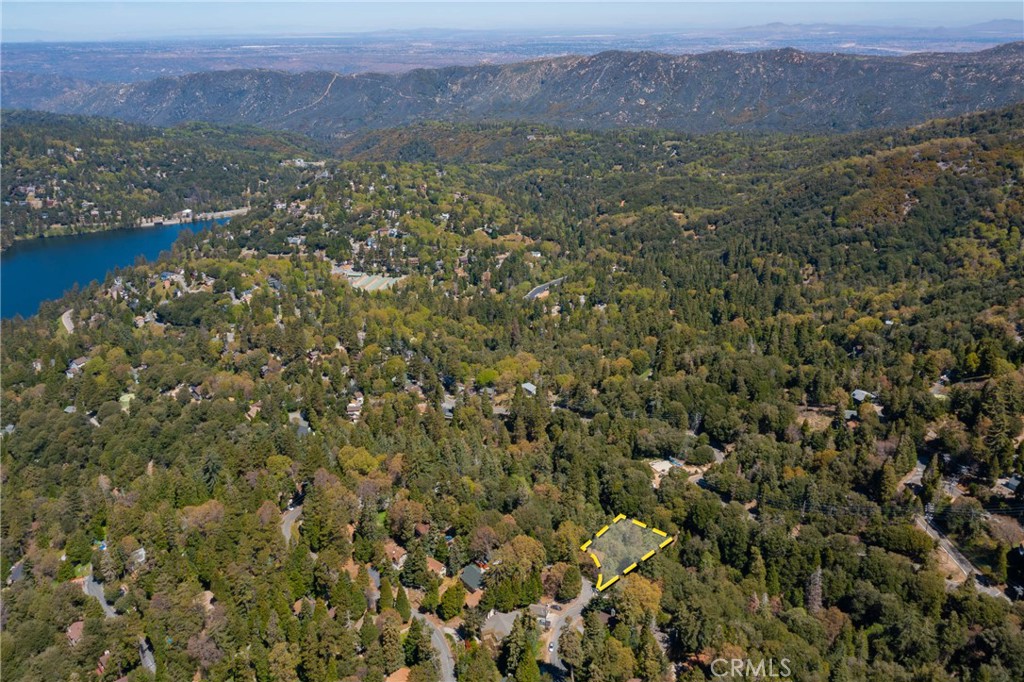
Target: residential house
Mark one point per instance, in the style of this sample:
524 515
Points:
395 554
448 407
860 395
472 577
539 610
497 626
661 466
75 632
355 408
137 558
436 567
101 664
75 366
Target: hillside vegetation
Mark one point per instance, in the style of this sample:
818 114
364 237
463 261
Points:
824 332
67 175
782 90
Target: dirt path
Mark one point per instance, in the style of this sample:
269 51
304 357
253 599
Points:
314 102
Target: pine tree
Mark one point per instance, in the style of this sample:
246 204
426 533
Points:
572 583
651 661
451 602
368 633
386 599
392 655
1001 565
402 604
520 643
108 566
430 598
570 650
906 455
415 572
888 483
477 666
527 670
757 569
411 645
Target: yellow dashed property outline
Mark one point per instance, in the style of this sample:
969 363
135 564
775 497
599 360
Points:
601 584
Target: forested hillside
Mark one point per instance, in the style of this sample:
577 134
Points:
783 90
275 472
67 175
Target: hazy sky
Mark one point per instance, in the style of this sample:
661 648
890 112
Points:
33 20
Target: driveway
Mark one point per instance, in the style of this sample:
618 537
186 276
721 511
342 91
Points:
288 519
561 620
440 644
95 590
914 476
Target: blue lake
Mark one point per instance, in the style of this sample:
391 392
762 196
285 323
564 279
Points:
40 270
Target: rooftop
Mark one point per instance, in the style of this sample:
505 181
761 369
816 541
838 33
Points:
473 577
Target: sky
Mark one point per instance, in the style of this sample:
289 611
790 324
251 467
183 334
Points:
29 20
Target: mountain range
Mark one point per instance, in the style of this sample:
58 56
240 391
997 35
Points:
782 90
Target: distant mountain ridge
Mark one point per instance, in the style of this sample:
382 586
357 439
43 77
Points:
783 90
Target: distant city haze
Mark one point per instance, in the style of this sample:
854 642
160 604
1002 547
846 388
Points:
105 21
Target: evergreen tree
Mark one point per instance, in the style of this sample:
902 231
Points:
570 650
386 599
572 583
476 665
392 655
402 604
520 643
452 601
430 598
415 572
527 670
651 662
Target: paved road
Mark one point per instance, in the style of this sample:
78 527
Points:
541 288
962 562
95 590
65 319
288 520
440 644
561 620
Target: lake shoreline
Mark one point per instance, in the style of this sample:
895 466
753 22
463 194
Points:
41 270
145 224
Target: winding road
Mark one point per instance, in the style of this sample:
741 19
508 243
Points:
444 652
